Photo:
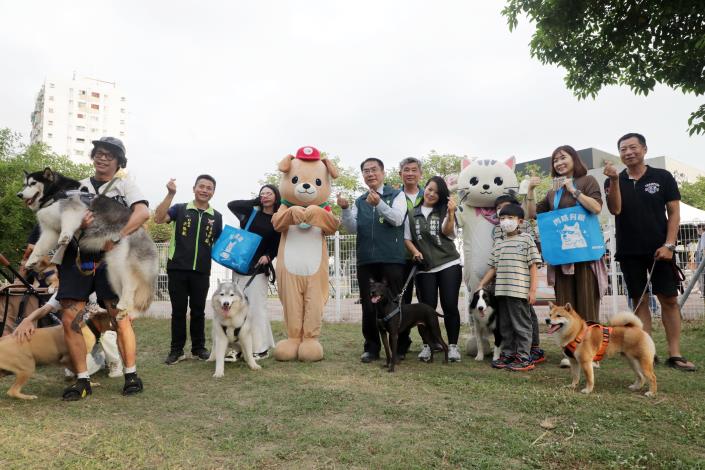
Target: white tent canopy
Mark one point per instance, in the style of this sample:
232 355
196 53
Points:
691 214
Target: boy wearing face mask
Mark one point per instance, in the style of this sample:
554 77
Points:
513 266
537 354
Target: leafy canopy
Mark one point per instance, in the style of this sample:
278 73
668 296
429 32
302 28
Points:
632 43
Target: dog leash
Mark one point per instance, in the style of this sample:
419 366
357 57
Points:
401 294
646 287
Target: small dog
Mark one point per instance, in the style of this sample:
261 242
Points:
132 265
47 346
483 311
49 273
230 325
409 315
585 343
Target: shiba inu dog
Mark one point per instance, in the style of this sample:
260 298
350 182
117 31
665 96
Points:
585 342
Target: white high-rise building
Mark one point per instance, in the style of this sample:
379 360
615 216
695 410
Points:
69 114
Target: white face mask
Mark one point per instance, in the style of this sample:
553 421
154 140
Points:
509 225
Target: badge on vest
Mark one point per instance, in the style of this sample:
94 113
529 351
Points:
652 188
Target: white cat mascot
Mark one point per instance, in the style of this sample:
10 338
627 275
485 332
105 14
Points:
480 182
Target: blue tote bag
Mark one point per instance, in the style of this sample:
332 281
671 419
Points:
236 247
570 235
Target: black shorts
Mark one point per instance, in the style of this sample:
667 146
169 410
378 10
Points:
635 271
78 284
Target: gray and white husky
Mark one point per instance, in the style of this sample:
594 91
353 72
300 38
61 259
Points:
231 324
132 265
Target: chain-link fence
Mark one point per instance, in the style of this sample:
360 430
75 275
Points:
344 302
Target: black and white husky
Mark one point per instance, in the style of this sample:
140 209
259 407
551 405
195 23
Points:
231 324
60 207
483 312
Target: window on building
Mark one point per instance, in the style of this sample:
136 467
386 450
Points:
51 98
80 139
123 99
50 123
94 130
80 116
95 106
51 85
78 152
95 94
51 110
122 110
122 133
81 104
80 128
82 92
50 135
122 122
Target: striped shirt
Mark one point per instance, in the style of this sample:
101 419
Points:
512 257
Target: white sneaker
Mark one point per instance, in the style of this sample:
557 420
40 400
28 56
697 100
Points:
425 354
114 370
232 356
260 356
453 353
565 363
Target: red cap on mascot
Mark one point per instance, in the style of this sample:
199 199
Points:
308 153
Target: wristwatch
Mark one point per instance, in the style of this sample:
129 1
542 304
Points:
670 246
576 194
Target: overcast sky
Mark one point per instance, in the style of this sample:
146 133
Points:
229 88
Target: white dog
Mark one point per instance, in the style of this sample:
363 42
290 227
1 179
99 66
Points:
231 324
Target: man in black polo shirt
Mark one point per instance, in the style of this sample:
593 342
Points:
645 203
196 228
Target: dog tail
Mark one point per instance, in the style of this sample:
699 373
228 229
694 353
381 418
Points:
143 297
626 319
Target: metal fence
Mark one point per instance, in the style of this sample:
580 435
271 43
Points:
344 303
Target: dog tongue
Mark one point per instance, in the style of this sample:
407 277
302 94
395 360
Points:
553 328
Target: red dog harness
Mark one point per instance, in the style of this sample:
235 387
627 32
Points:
573 345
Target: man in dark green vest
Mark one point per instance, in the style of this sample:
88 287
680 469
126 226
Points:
196 228
377 217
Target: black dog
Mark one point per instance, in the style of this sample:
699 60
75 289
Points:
393 318
483 312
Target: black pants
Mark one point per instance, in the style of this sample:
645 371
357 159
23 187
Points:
447 282
393 274
188 288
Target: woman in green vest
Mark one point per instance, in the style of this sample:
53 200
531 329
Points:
429 232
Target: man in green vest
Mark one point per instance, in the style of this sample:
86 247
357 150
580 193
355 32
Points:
410 171
377 217
196 228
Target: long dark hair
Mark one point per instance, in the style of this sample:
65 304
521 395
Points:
443 194
579 168
277 196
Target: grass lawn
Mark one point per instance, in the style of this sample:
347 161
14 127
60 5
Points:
343 414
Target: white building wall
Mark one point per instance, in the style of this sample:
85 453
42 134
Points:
70 114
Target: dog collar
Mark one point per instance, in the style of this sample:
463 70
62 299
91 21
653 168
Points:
570 348
391 314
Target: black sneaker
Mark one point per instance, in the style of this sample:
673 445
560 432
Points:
174 357
133 384
503 361
368 357
78 391
201 354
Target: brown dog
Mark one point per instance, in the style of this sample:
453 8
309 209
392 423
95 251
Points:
46 346
584 343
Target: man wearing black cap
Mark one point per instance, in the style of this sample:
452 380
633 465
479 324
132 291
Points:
83 273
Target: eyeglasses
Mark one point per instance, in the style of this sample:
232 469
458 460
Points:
369 171
102 153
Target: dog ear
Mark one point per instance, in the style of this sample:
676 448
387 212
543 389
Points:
372 281
48 174
568 307
551 305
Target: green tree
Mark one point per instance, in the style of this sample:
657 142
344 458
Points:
693 194
15 159
159 232
632 43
